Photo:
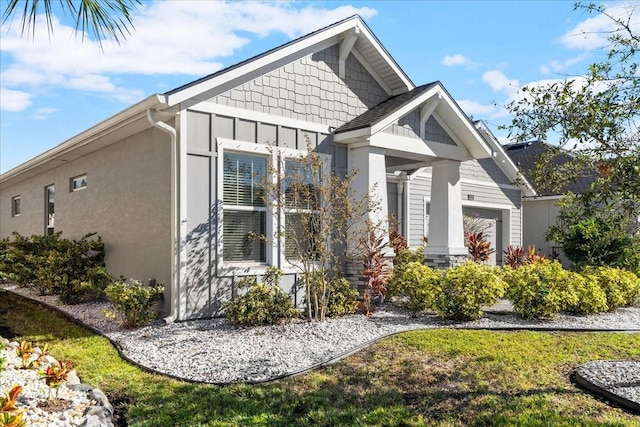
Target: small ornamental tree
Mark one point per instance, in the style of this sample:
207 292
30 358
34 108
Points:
319 216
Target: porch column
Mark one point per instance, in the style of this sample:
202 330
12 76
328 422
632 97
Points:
446 233
371 180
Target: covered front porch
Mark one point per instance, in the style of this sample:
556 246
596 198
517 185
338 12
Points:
422 128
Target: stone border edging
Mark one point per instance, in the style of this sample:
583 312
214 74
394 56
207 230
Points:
595 389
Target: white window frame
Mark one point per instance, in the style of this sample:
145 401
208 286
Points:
291 154
16 212
72 183
274 250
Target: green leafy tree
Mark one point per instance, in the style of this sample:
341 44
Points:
105 19
596 118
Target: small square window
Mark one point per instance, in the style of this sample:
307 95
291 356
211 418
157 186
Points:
79 183
15 206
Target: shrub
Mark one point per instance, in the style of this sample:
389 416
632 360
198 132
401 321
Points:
263 303
416 286
343 298
465 290
403 257
479 247
73 269
539 290
591 297
621 287
517 256
133 302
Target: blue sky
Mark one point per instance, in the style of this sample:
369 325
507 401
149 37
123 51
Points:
54 87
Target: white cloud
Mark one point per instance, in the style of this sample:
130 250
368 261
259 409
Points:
170 37
473 108
14 100
499 82
593 32
43 113
559 66
457 59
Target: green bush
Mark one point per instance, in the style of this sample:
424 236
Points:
539 290
72 269
343 298
621 287
403 257
263 303
416 286
133 302
465 290
591 297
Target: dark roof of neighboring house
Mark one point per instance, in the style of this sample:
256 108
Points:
386 107
525 155
263 54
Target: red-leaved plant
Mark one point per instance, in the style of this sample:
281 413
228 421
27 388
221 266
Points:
479 247
376 270
517 256
56 374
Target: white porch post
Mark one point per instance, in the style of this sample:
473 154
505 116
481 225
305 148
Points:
446 232
371 179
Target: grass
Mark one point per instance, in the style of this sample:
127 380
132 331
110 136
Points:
436 377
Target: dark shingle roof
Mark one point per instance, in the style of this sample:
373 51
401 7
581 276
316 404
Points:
386 107
525 155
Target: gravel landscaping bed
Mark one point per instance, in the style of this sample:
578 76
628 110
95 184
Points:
212 351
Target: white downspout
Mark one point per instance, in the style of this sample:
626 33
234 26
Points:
175 265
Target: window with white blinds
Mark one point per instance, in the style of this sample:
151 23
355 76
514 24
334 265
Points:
244 221
302 199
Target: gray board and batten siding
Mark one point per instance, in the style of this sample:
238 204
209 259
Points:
308 90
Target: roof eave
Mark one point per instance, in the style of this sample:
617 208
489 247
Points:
86 137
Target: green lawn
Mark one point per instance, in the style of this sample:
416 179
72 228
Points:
436 377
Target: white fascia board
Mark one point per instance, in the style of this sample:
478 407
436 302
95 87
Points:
403 110
262 65
356 134
105 127
382 52
469 135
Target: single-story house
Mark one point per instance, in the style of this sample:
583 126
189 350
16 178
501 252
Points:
155 180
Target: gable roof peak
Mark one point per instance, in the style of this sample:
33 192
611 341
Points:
365 45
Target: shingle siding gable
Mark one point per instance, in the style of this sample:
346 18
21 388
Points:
309 89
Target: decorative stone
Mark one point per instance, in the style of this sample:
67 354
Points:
72 378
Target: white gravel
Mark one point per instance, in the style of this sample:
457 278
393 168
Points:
211 351
35 392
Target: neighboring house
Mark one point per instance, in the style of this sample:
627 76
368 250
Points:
159 180
540 212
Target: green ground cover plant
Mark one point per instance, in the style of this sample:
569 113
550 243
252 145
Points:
423 378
